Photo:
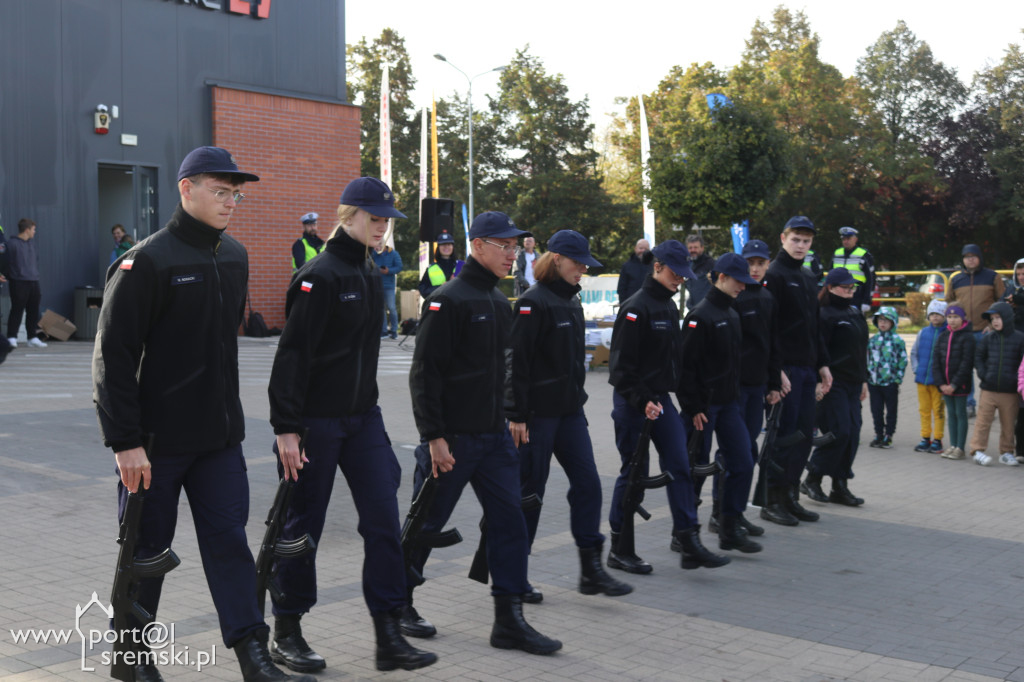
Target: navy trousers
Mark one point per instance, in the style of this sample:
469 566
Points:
218 495
884 401
797 414
669 438
840 414
568 439
752 409
726 423
360 448
490 463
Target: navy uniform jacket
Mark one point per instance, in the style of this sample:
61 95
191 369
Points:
326 361
644 358
166 355
458 368
796 294
760 353
710 354
545 353
845 334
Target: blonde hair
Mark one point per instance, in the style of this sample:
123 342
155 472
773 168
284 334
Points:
345 213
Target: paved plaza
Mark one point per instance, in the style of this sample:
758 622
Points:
924 582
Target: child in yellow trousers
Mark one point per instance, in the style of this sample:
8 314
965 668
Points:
929 398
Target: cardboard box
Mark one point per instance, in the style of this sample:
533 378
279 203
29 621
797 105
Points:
409 305
598 356
57 327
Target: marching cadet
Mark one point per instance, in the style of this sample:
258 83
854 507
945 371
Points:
324 382
457 383
709 391
165 368
545 397
804 362
644 366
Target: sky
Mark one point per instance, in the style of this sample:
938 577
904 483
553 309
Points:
606 50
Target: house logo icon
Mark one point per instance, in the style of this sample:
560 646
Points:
80 611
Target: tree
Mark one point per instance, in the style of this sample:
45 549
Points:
910 89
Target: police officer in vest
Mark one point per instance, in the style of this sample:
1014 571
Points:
444 267
309 244
861 265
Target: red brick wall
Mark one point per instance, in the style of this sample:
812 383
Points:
305 152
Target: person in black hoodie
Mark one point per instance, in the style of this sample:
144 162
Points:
324 383
953 365
165 372
635 270
845 334
644 366
544 399
457 382
709 394
997 358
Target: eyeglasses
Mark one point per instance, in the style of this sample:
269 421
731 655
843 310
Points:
221 195
505 248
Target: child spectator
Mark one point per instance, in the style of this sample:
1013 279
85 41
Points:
998 353
887 361
953 364
929 398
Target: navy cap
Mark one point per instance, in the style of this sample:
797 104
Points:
445 237
212 160
756 248
310 218
495 224
838 277
971 248
734 265
847 232
572 244
673 254
800 222
371 195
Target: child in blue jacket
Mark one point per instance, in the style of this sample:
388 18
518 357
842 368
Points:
929 398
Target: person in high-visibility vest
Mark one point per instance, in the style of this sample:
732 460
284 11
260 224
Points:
309 244
444 268
860 264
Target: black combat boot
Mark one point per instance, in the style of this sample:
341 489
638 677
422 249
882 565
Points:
716 515
413 624
811 487
753 530
392 649
630 563
256 664
793 506
776 510
511 631
145 672
593 577
841 494
731 536
695 554
290 648
533 596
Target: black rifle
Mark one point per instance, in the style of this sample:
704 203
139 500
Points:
693 449
636 484
413 537
770 444
478 571
124 597
273 547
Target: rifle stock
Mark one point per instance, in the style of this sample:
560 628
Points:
479 571
413 537
636 484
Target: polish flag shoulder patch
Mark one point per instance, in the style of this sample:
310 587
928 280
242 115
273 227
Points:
525 310
692 324
435 306
307 286
631 317
127 264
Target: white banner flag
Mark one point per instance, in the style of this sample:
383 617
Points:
385 145
645 159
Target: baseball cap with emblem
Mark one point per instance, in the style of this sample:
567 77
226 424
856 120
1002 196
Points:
371 195
310 218
495 224
734 265
673 254
755 248
212 160
800 222
445 237
572 244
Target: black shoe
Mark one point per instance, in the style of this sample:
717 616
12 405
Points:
732 537
811 487
594 579
753 530
511 631
146 672
841 494
534 596
793 506
290 648
694 553
257 666
776 510
415 625
713 526
630 563
392 649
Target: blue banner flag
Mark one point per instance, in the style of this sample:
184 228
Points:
740 235
465 225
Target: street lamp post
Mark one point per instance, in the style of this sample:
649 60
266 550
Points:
469 100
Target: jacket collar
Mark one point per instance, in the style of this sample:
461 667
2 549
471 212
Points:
656 289
559 287
347 249
477 275
719 298
788 261
193 232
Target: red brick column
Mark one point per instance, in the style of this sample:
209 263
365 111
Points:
305 152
